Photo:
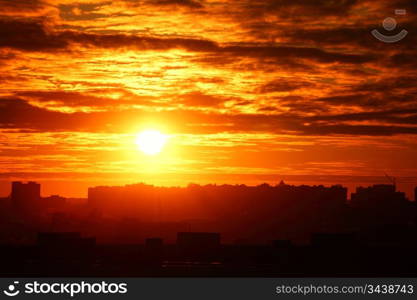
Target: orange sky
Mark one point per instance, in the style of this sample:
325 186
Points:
243 89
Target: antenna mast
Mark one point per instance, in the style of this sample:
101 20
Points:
391 180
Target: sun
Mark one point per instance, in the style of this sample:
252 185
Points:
151 142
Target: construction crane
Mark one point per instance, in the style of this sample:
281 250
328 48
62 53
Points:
392 180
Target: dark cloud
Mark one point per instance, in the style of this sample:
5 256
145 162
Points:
199 99
356 36
188 4
280 52
396 116
307 50
297 105
363 100
312 23
255 12
370 130
7 6
409 5
91 99
115 41
32 36
284 85
339 35
4 78
85 11
395 83
185 3
28 36
403 60
18 114
307 7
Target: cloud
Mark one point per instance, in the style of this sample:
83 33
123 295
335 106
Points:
242 74
370 130
93 99
20 6
32 36
284 85
185 3
396 116
16 113
28 36
398 83
198 99
279 52
293 8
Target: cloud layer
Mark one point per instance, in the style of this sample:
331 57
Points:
259 75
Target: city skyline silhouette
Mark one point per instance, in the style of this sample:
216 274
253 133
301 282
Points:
210 230
208 138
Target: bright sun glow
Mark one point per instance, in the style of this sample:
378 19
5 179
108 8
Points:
151 142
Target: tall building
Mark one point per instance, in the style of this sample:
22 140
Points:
53 245
381 205
415 206
415 194
377 195
198 243
26 197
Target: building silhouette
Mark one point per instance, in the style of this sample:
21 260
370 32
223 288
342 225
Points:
377 195
198 245
381 204
64 245
25 197
415 194
210 230
415 206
